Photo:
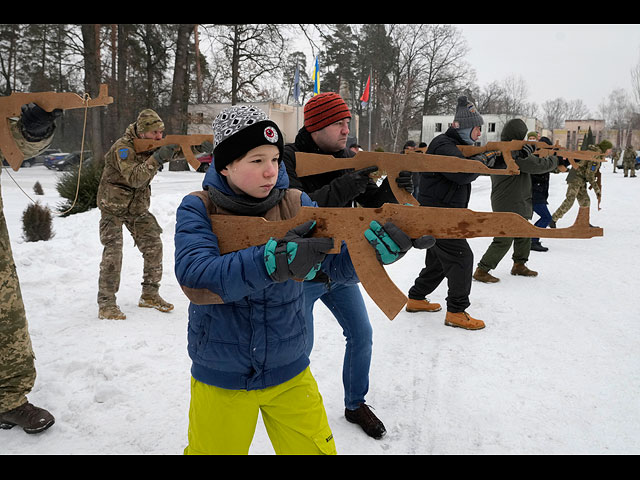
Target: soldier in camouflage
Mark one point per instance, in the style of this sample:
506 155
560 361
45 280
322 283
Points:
124 196
629 161
33 133
577 179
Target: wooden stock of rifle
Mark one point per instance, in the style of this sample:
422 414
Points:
184 141
348 225
11 106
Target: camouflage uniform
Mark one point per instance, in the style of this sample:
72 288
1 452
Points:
615 156
124 196
577 180
17 369
629 161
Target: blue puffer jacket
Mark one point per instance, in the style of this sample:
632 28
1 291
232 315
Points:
257 337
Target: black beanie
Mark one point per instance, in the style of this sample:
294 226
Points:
240 128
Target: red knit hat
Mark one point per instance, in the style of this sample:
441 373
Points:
324 109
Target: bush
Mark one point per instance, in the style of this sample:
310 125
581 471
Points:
87 190
36 223
37 189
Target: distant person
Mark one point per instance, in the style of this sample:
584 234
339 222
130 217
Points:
629 162
512 193
124 197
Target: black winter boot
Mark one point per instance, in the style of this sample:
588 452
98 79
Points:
364 417
32 419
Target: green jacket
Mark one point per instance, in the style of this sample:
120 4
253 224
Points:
512 193
125 188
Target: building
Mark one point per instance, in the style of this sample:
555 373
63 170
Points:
434 125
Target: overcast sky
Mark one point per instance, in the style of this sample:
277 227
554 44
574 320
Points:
575 62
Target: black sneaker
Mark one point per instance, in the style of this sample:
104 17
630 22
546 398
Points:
31 418
364 417
538 247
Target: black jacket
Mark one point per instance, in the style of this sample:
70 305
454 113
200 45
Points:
450 190
331 189
540 188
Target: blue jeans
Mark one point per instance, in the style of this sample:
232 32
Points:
347 305
545 217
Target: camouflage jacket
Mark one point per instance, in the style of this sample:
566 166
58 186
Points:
125 188
586 173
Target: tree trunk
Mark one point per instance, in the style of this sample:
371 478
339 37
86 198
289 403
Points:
92 76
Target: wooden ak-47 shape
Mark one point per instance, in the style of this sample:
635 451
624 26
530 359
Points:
392 164
542 150
348 225
184 141
10 106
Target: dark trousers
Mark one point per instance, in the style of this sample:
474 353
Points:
545 217
451 259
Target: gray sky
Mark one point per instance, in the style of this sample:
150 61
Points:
575 61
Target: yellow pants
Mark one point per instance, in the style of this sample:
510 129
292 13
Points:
223 422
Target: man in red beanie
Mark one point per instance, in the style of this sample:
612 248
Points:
325 131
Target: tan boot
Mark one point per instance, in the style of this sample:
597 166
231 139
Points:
463 320
110 312
483 276
422 306
154 300
521 269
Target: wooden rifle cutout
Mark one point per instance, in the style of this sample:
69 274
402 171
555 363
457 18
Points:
184 141
542 150
392 164
11 106
348 225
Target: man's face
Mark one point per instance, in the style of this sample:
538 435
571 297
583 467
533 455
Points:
153 135
332 138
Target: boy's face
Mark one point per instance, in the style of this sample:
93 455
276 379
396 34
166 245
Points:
256 173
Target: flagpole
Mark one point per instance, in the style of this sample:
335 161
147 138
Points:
370 102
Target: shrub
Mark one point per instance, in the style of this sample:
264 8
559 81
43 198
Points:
37 189
87 190
36 223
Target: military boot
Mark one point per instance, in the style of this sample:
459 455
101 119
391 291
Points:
110 312
521 269
484 276
31 418
154 300
463 320
422 306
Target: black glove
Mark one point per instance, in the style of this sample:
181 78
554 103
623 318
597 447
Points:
294 255
405 181
37 122
359 179
165 153
391 243
528 149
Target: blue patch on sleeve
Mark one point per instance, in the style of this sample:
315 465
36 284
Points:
123 153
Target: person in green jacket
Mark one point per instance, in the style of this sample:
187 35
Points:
512 193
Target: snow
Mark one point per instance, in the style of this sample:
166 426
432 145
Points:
554 372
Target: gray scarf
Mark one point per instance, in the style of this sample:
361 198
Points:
245 204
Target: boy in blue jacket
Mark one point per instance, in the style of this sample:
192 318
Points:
246 333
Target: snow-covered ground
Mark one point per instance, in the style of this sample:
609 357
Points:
556 370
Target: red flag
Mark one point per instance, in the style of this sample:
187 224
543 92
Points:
365 94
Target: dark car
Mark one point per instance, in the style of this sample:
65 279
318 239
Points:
53 157
69 161
205 162
37 159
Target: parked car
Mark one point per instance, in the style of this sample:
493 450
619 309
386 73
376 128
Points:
205 162
53 157
69 161
38 159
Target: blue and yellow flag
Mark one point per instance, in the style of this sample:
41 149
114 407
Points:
316 78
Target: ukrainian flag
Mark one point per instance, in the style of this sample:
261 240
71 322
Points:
316 79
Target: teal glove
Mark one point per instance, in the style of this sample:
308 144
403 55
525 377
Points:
391 243
294 256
